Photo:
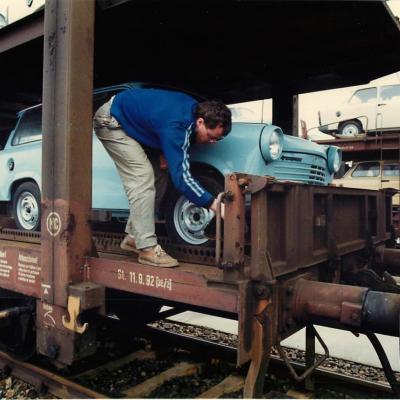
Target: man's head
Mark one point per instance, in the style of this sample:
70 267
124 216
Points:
213 121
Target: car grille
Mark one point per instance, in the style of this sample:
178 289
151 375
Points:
302 168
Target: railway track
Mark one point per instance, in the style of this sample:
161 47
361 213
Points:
178 365
141 373
324 376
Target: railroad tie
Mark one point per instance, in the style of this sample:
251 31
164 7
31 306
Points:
112 365
296 394
230 384
149 385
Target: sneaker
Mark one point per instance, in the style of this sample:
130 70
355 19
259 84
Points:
129 244
157 257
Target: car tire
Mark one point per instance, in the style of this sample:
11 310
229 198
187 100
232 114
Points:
184 221
350 129
26 207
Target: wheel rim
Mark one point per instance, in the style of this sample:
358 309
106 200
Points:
350 130
190 221
27 210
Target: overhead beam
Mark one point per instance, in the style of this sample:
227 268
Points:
22 32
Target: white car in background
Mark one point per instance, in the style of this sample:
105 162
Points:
369 109
373 175
14 10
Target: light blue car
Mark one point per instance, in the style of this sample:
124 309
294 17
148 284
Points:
258 149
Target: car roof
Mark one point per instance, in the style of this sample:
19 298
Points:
128 85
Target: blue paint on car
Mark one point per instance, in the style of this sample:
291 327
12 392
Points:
241 151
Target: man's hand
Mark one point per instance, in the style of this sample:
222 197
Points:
213 207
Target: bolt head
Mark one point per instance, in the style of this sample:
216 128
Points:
354 316
289 290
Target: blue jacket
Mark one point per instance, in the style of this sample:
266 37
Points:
163 119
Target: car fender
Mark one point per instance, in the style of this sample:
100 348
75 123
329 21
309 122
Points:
18 179
240 150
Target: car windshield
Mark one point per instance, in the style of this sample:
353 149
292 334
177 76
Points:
367 169
258 111
364 96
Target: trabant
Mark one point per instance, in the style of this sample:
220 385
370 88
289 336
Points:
259 149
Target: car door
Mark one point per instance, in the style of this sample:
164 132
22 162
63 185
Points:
391 178
389 107
21 157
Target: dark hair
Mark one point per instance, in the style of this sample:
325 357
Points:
214 113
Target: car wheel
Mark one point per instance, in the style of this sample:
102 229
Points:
186 222
26 207
350 129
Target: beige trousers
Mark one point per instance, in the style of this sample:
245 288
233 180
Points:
137 173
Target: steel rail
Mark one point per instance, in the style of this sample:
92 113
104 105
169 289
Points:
39 378
198 347
203 346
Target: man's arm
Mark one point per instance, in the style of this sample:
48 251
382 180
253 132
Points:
213 207
175 146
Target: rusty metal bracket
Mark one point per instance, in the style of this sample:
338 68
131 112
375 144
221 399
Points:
372 280
230 266
74 309
257 184
307 372
370 248
262 324
83 296
263 290
218 217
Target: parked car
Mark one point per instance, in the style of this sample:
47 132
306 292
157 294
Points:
369 109
258 149
373 175
14 10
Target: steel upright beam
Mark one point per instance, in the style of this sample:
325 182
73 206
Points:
67 145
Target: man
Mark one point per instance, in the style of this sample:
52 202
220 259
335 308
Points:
169 121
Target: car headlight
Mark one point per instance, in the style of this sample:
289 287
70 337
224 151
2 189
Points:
334 159
271 143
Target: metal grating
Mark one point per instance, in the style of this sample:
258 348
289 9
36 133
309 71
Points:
109 242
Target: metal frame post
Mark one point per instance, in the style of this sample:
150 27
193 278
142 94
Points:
234 228
67 144
310 356
66 162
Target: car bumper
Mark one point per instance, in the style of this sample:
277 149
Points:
325 129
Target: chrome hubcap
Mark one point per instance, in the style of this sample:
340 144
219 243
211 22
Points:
190 221
27 210
351 130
